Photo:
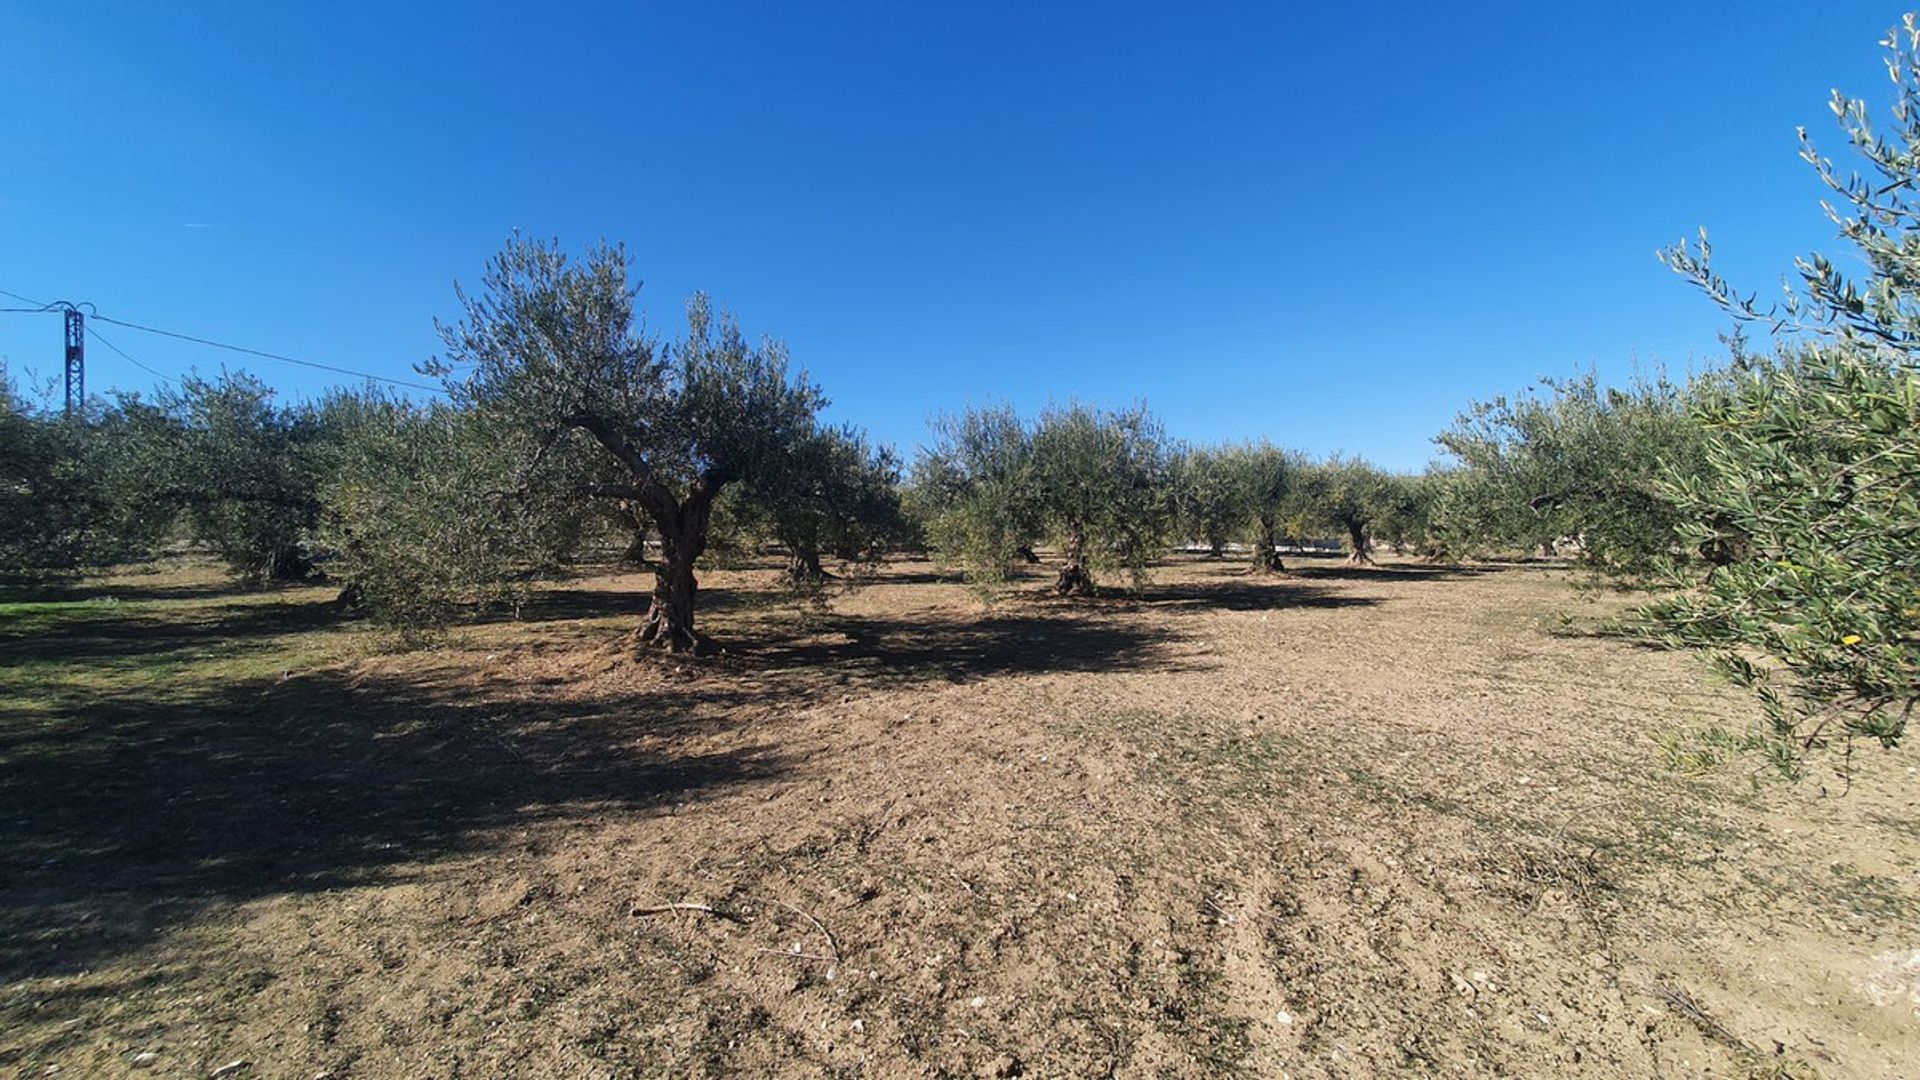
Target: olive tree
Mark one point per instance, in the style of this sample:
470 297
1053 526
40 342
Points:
1812 478
551 347
1101 480
1094 481
1207 502
1575 461
74 490
427 512
975 491
243 470
1406 511
836 495
1265 481
1351 495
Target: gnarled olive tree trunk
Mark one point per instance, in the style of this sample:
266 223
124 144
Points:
1074 580
1361 543
683 537
1266 548
803 555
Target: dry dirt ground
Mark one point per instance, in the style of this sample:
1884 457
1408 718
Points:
1343 824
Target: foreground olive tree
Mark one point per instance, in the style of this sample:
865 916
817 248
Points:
1813 475
551 347
1812 481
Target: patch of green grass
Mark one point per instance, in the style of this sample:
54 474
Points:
61 654
21 617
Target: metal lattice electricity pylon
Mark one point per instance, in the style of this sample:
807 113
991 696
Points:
76 359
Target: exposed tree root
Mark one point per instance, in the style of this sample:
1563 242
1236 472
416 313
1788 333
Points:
1073 581
659 633
1267 562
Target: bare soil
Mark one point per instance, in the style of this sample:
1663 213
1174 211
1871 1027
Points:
1346 823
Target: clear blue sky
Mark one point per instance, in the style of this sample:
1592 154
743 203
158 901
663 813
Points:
1330 227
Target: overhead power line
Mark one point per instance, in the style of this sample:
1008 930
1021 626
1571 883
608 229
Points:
210 343
97 336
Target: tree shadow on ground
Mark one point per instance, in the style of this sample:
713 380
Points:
121 817
1383 572
1248 593
82 589
563 603
927 575
876 651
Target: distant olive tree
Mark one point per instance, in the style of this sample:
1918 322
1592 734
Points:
1405 522
1207 502
75 491
834 495
1266 485
1578 463
1093 481
550 347
425 518
1101 479
1811 482
243 470
975 491
1350 495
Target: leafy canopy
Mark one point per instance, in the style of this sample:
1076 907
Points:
1812 461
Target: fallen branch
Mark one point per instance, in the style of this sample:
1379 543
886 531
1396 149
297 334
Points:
832 942
722 913
798 955
700 909
1682 1002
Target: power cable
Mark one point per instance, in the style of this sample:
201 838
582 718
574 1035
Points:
97 336
210 343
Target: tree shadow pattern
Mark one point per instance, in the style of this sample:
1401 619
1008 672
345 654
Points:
126 814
